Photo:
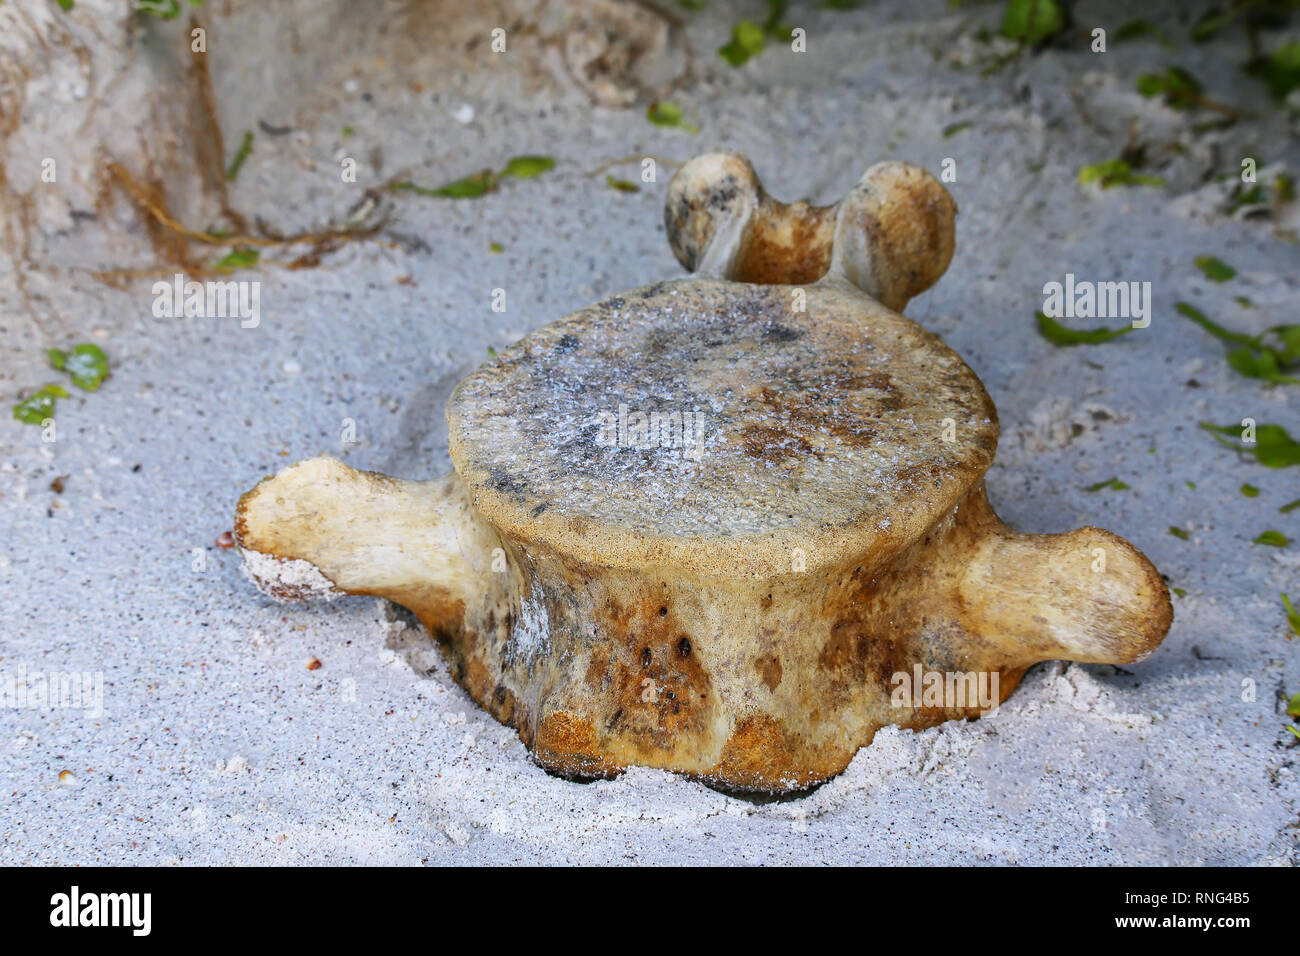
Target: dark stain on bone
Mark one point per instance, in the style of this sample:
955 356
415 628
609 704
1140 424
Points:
658 693
818 402
499 480
774 444
723 193
782 333
769 668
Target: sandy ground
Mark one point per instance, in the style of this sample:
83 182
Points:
217 743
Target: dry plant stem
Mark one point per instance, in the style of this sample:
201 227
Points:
635 158
154 208
209 142
169 234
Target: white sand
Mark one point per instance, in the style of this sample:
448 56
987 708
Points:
219 744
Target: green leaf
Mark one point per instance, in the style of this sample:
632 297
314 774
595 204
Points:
1150 84
1293 706
747 41
669 114
1033 22
496 247
1137 29
1294 732
1179 88
236 164
38 406
693 5
1292 616
1280 70
1059 335
1115 172
1282 190
1254 196
1290 506
1255 358
773 27
239 258
1197 316
162 9
952 129
1216 270
1180 592
1288 338
1211 22
1284 186
471 187
1272 448
1274 538
1255 364
622 185
526 167
1114 484
1178 532
1250 491
86 364
67 5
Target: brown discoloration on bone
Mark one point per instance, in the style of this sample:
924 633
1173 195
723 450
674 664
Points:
826 402
718 199
653 691
895 236
708 193
769 668
470 670
892 235
774 444
566 744
755 755
785 244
